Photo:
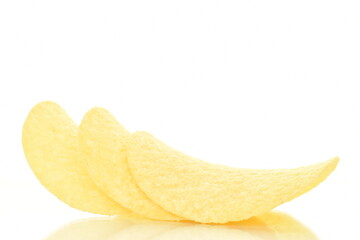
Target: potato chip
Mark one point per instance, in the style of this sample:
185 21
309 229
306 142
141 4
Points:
210 193
50 142
103 141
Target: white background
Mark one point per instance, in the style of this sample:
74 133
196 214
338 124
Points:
262 84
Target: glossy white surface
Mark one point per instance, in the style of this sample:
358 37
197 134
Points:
27 210
259 84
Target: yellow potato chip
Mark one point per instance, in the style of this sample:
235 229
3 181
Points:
103 141
51 147
210 193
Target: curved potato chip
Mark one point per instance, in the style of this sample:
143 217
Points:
210 193
103 141
51 146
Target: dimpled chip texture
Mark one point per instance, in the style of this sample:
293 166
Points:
103 140
210 193
50 142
